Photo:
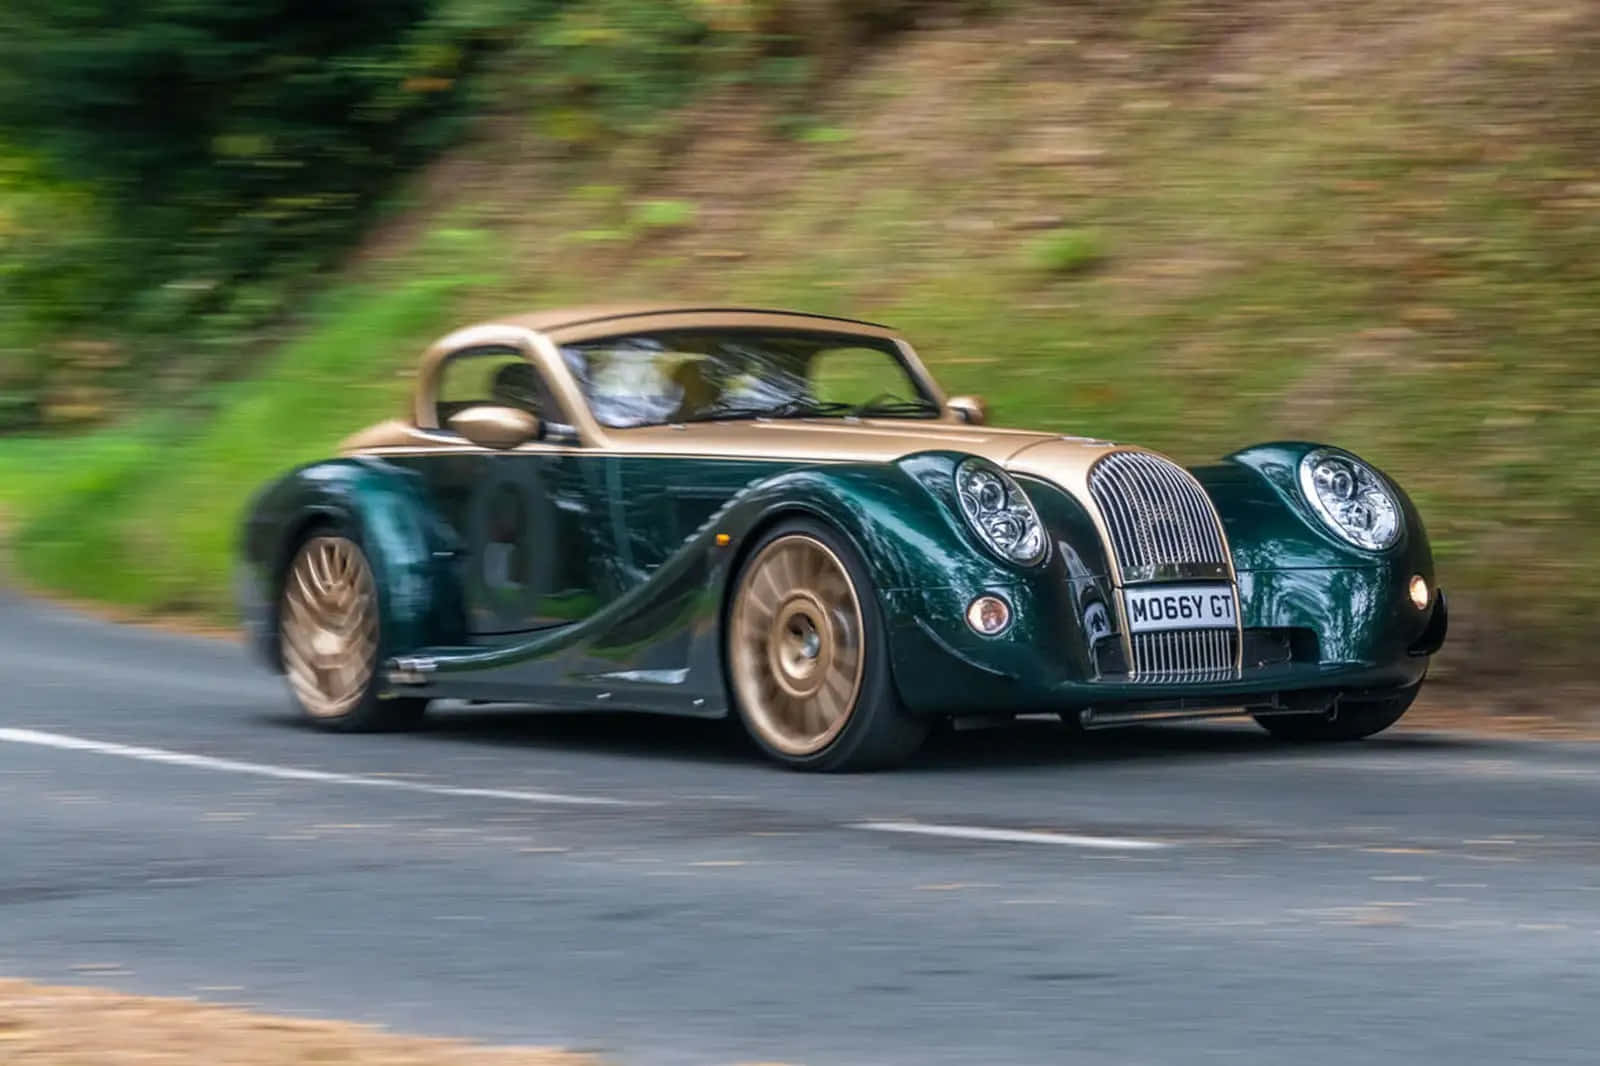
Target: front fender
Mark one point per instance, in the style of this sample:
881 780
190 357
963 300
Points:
1296 573
1271 526
383 508
907 535
927 566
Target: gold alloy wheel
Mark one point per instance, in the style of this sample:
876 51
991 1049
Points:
329 626
796 645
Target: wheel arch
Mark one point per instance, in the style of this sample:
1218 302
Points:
882 512
876 730
766 521
381 507
788 511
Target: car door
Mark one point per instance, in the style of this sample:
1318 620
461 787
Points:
524 517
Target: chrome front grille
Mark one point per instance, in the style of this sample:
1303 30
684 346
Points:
1185 655
1162 526
1160 519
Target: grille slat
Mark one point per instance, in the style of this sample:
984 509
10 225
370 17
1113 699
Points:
1160 520
1158 515
1184 655
1181 534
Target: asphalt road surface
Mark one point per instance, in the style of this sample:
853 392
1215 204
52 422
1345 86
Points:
1175 895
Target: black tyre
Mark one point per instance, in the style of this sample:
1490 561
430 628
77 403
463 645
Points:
329 639
1353 720
807 659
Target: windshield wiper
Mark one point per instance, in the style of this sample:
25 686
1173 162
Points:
794 408
888 404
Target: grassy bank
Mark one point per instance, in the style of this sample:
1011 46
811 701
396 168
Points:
144 515
1190 232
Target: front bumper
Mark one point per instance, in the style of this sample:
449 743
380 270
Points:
1365 637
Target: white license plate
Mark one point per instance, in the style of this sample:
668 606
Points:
1157 607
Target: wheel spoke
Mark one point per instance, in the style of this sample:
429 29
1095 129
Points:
837 690
319 570
804 719
764 598
791 569
305 589
824 711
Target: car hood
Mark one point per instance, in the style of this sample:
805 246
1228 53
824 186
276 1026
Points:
867 440
1050 456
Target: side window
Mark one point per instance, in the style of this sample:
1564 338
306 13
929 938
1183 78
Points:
857 375
500 378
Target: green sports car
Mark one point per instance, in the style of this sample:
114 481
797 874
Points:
780 516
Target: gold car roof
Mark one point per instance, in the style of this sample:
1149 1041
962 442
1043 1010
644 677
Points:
540 333
601 319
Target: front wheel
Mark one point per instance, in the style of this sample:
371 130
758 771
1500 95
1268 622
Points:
1354 719
329 638
807 658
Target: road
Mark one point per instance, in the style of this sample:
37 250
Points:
1175 895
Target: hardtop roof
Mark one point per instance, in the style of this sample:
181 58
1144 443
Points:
557 319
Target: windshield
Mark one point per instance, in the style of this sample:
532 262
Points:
645 379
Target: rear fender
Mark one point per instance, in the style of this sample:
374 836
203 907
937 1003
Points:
385 510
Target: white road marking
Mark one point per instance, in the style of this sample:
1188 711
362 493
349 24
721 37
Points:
295 773
1012 836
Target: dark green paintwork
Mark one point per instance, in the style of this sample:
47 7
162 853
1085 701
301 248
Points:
625 608
388 511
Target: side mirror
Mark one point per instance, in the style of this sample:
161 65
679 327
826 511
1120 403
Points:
970 409
495 427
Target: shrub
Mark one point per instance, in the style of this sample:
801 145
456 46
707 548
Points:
1066 251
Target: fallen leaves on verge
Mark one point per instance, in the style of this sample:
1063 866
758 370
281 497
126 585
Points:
48 1026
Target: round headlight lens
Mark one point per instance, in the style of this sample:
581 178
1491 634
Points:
999 512
1351 498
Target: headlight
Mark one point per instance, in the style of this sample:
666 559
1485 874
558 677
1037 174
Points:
1351 498
999 512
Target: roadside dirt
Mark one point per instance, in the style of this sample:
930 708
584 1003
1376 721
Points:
1534 708
12 578
49 1026
192 625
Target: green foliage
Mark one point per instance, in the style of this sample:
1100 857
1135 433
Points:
174 173
664 214
234 132
178 168
824 135
1066 251
606 67
145 514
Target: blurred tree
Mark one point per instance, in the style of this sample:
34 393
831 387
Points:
220 133
179 168
607 66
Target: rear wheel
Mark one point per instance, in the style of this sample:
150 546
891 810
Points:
1353 720
807 659
329 638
